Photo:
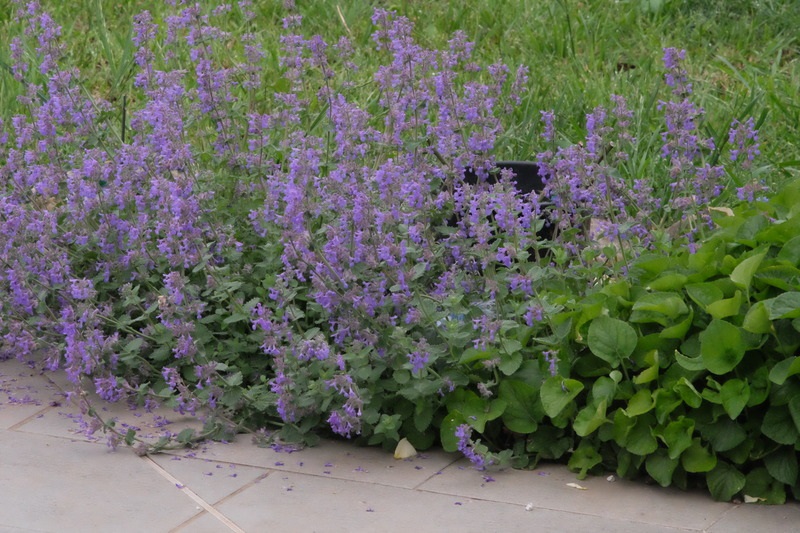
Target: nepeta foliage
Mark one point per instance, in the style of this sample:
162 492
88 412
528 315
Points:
269 244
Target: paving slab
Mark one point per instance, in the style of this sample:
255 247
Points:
54 485
202 523
747 518
63 421
333 459
24 393
289 501
548 487
34 402
211 480
63 483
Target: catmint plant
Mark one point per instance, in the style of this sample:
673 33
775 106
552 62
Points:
301 243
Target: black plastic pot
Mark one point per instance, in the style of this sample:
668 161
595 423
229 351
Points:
526 178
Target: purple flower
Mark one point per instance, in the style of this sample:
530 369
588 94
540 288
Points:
316 349
467 447
534 314
551 356
420 357
676 75
108 388
82 289
749 192
344 424
346 421
743 138
548 118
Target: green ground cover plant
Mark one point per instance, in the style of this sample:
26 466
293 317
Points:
270 229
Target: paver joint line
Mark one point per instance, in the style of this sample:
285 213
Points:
722 515
451 463
200 501
539 507
34 416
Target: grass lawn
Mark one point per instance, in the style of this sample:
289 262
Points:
743 56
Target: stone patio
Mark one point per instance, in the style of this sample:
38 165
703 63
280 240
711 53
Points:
54 479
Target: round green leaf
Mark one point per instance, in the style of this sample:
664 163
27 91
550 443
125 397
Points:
724 434
611 339
784 277
423 416
734 395
790 253
604 388
549 443
794 411
523 411
623 425
688 393
590 418
678 436
757 319
510 362
640 403
697 458
721 347
779 426
447 431
679 330
760 484
640 439
786 305
476 410
693 364
725 308
667 400
742 275
658 307
782 465
724 481
760 386
704 293
557 392
782 370
660 467
584 458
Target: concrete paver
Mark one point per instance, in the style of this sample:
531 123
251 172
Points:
62 421
211 480
547 488
293 502
202 523
52 484
54 480
334 459
750 518
24 393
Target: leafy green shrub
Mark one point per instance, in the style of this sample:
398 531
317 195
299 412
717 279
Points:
684 370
